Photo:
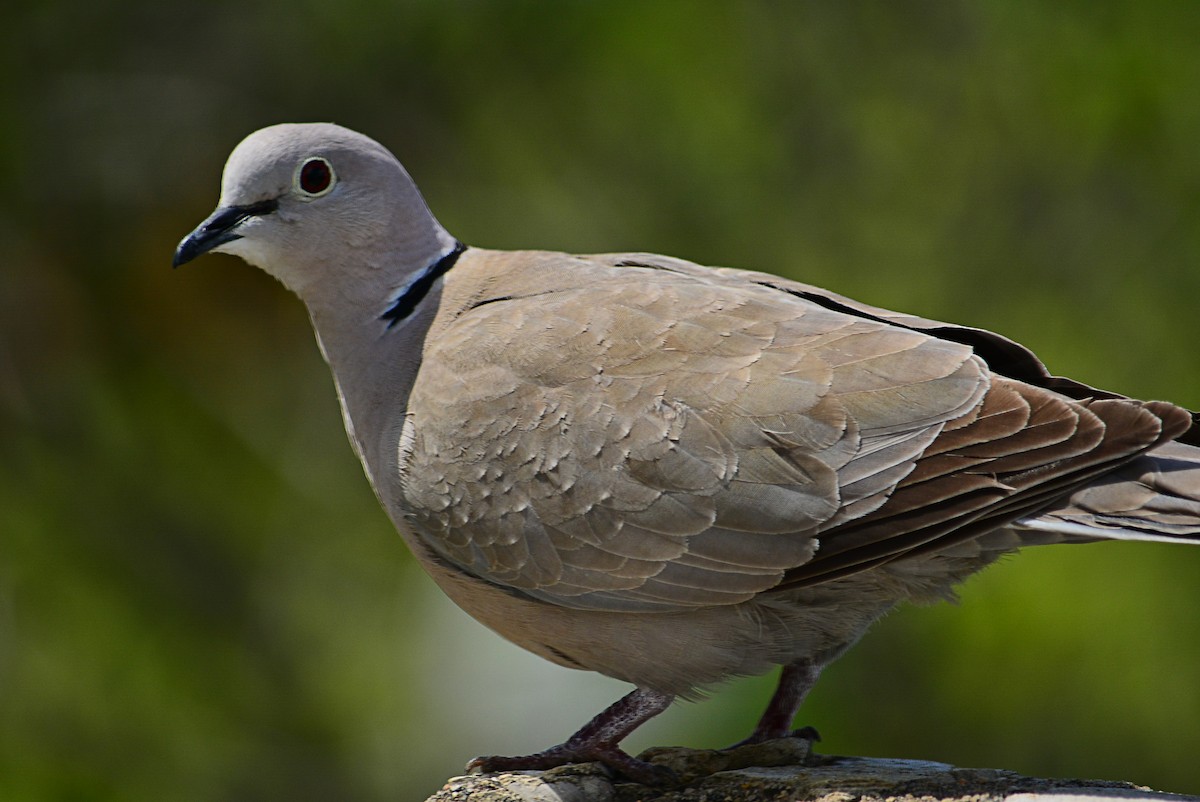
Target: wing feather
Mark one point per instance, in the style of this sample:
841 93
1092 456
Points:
649 435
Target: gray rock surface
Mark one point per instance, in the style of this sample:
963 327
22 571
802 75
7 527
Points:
792 774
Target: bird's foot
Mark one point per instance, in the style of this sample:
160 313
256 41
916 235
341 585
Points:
761 735
597 742
623 765
693 764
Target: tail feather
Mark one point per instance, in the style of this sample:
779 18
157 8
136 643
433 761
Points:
1155 497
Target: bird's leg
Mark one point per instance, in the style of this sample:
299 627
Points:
795 681
597 741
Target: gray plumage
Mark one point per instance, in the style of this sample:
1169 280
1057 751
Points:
668 473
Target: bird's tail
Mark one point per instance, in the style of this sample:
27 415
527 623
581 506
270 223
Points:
1155 497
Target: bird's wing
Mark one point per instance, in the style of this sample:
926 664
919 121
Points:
1003 356
645 437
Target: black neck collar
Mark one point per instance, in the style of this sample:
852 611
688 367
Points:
419 287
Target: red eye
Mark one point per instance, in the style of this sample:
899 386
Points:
316 176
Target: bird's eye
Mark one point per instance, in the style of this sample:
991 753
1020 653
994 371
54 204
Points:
315 177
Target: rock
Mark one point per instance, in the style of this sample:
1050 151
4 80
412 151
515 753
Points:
786 771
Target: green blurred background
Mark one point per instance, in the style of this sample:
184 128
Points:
199 598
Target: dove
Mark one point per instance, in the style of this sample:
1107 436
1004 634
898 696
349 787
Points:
668 473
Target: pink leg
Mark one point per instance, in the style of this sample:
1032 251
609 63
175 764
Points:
795 681
597 741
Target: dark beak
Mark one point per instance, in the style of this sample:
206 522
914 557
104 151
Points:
220 227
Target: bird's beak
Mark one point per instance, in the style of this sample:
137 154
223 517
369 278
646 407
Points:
220 227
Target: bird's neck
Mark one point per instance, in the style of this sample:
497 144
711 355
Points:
374 345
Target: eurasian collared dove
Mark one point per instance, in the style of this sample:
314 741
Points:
668 473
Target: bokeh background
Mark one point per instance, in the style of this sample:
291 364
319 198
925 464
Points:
199 598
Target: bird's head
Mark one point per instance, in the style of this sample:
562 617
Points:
319 205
